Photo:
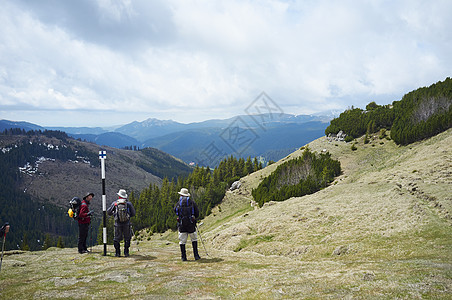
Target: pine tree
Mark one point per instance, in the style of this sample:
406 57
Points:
47 242
60 243
24 246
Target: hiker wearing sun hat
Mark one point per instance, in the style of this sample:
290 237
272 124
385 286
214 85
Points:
84 219
122 210
187 212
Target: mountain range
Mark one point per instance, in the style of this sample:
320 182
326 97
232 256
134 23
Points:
268 136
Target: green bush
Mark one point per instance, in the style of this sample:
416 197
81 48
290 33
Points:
297 177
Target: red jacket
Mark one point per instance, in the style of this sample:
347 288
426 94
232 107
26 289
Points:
83 217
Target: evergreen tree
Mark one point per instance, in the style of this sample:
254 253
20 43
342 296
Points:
155 205
47 242
297 177
60 243
24 245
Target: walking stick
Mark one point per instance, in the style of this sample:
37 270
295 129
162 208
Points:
4 230
91 236
197 229
133 234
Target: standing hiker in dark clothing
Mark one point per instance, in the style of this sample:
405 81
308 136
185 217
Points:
123 210
187 212
84 219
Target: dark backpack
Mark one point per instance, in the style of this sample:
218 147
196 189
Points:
185 211
122 213
74 208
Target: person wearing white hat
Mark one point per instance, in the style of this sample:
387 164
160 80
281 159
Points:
122 210
187 212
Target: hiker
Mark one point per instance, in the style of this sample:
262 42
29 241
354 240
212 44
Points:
84 220
123 210
187 212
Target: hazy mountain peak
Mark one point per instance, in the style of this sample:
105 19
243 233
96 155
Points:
156 122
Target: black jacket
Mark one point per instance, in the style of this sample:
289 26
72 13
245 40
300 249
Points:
187 212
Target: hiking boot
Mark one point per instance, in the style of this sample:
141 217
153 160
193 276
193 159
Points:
126 248
195 250
117 248
183 252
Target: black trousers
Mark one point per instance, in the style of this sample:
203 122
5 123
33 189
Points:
122 230
83 230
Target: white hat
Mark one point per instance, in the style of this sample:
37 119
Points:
184 192
122 193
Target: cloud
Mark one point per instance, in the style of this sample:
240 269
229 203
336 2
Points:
123 25
197 59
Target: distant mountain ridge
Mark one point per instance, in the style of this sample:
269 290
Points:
111 139
150 128
190 142
195 145
6 124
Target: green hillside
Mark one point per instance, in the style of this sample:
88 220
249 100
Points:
420 114
381 230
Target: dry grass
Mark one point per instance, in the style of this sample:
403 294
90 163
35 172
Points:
382 230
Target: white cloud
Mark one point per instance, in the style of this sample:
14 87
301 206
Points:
197 59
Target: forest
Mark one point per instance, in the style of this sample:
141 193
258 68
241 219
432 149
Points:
154 205
420 114
297 177
37 225
423 113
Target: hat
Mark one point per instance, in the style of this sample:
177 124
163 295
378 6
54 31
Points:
122 193
87 194
184 192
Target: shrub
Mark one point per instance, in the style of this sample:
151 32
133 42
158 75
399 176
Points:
297 177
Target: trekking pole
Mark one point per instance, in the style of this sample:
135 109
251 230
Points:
4 230
91 235
133 234
197 229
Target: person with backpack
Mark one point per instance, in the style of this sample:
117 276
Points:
84 220
122 210
187 212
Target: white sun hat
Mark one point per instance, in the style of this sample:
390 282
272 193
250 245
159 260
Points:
184 192
122 193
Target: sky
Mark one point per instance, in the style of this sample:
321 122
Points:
110 62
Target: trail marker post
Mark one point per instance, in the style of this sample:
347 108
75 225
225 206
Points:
102 157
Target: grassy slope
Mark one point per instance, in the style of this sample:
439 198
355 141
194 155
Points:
382 230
